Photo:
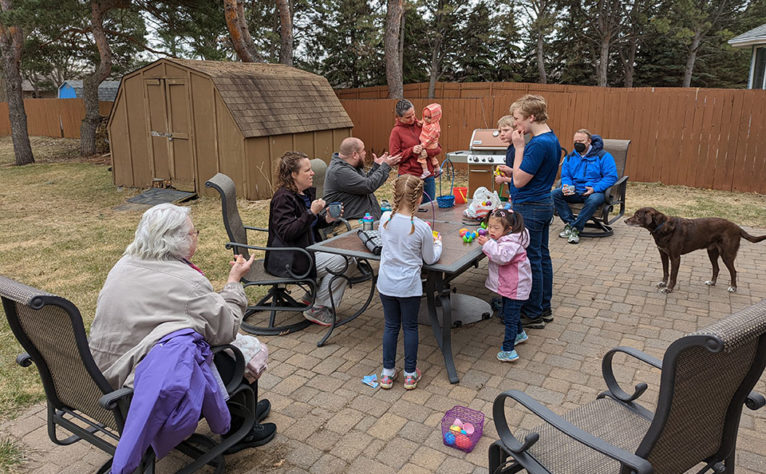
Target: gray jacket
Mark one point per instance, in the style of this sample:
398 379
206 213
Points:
145 300
354 188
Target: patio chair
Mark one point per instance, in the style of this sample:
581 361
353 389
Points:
278 297
319 167
79 398
705 379
615 194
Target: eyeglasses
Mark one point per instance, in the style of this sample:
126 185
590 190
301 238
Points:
195 233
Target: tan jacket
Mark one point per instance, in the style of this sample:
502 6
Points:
144 300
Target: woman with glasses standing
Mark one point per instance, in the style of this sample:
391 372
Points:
535 165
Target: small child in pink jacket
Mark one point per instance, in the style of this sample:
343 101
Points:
510 274
429 138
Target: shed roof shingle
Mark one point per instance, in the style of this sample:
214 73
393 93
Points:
754 36
273 99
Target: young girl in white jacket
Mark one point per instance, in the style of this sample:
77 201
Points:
510 274
407 242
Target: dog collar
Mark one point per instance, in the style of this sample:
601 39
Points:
657 228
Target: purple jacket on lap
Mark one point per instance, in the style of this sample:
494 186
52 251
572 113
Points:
174 385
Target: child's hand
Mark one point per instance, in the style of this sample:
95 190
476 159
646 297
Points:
482 239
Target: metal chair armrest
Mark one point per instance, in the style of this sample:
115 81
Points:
638 464
302 276
111 400
259 229
616 192
755 401
24 360
239 366
611 382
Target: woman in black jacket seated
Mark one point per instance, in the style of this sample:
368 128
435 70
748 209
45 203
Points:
295 215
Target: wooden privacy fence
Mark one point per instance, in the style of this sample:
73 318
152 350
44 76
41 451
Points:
707 138
60 118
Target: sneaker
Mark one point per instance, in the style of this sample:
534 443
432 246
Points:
411 381
437 171
547 315
574 236
306 299
260 435
262 409
425 175
387 381
521 338
507 356
533 323
564 234
320 315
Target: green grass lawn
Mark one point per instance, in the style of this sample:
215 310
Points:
61 233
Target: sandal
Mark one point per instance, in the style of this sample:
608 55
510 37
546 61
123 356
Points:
387 381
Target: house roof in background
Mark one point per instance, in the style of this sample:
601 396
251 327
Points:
107 90
753 37
273 99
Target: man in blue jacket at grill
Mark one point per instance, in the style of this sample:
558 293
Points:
586 173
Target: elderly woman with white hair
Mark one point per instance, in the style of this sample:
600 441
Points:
155 290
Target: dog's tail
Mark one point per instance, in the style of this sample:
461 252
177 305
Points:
751 238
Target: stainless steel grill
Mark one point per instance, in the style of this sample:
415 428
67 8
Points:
485 151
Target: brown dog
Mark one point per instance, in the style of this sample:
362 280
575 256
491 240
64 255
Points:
676 236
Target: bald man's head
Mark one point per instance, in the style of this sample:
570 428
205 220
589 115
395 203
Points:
348 146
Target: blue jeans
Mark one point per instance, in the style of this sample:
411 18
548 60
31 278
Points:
429 189
562 208
400 312
537 218
512 320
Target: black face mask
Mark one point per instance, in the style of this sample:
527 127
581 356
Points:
579 147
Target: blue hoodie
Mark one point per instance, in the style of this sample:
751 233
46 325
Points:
596 169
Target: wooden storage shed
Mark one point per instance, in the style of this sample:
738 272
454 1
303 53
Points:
182 121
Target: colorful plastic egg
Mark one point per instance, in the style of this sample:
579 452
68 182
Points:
462 231
483 232
462 442
455 428
458 422
449 438
468 428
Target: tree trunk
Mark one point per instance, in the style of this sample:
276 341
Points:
11 43
603 62
435 67
630 62
690 60
401 44
91 82
285 32
391 41
541 59
239 33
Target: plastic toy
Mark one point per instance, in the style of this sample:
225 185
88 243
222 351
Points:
462 232
483 225
468 428
483 232
455 428
468 237
462 441
436 234
449 438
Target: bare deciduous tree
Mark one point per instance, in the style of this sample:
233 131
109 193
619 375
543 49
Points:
11 44
234 12
394 79
285 32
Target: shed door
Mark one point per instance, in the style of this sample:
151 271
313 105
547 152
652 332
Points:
171 150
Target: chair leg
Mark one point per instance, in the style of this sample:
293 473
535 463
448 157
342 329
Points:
498 457
279 299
